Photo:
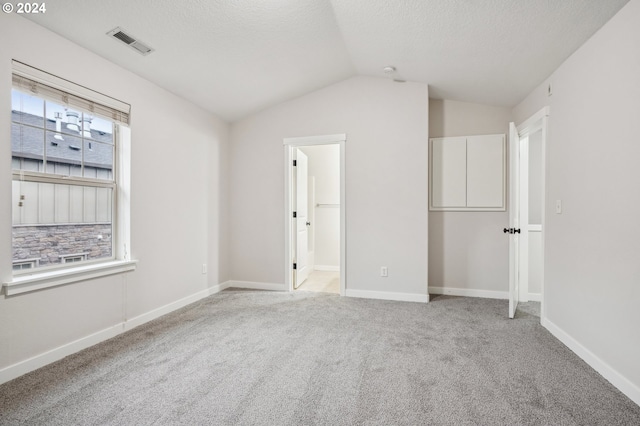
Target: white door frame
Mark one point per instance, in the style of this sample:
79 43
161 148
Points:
289 145
537 122
515 195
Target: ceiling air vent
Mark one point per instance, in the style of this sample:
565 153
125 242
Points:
130 41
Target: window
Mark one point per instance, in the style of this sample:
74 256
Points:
72 258
25 264
64 152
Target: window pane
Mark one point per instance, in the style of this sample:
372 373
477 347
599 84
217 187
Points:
32 165
15 105
64 154
27 109
63 119
98 129
26 143
57 118
15 203
98 159
57 221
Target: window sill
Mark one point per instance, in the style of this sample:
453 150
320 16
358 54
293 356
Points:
39 281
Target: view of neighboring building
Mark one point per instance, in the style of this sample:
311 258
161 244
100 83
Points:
57 223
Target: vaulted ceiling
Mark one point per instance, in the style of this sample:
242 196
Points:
235 57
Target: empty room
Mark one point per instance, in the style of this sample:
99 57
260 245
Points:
287 212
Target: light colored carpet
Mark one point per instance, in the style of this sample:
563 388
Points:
302 358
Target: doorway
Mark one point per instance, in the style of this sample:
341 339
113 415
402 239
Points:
526 211
315 257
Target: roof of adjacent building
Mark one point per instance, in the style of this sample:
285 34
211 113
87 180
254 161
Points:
32 135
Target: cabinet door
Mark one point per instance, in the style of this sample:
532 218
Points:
486 172
448 173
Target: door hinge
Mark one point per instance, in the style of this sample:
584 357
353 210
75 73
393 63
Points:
295 163
295 266
295 214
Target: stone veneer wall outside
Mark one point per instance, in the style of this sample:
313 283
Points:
48 242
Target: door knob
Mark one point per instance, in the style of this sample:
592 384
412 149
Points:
308 223
511 230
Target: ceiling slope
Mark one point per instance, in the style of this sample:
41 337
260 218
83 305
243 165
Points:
235 57
229 57
491 51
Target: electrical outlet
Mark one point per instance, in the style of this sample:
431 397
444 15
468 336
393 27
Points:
204 268
384 272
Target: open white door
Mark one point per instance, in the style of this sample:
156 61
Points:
514 218
301 219
296 243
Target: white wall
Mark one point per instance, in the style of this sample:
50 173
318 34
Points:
324 166
467 250
386 179
173 215
592 249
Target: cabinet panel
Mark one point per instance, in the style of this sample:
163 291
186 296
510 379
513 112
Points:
448 172
485 171
468 173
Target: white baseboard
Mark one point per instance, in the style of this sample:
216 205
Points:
386 295
330 268
468 292
173 306
535 297
616 379
23 367
218 288
256 285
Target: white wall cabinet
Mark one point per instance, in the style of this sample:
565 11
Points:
468 173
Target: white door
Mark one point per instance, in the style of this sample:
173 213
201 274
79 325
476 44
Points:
514 218
301 220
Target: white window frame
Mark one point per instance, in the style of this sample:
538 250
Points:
39 278
71 258
33 262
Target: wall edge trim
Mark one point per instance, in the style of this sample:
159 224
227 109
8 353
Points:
23 367
329 268
138 320
624 385
386 295
253 285
535 297
469 292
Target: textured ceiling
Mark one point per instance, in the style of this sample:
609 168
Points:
486 51
235 57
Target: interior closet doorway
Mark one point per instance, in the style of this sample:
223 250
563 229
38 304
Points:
526 211
315 214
